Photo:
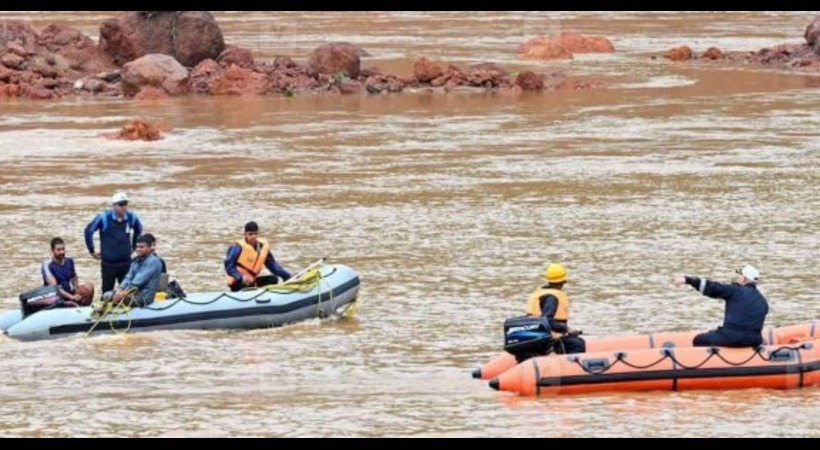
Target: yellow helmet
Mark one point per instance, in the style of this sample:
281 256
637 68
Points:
556 273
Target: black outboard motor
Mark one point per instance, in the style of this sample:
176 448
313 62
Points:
39 299
527 337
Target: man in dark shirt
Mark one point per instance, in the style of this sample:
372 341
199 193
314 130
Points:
59 270
746 310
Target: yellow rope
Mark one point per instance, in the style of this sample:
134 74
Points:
115 311
352 309
310 281
122 309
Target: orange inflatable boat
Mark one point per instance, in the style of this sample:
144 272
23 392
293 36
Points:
672 369
771 336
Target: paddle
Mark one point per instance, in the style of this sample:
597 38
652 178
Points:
302 272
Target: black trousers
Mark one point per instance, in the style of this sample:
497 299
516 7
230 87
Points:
727 338
570 346
267 280
113 273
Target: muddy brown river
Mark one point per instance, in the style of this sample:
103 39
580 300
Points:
449 206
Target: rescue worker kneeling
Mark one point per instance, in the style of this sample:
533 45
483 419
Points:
552 303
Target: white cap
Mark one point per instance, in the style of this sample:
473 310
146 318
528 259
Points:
119 197
751 273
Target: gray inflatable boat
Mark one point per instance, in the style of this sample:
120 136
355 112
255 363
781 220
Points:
332 289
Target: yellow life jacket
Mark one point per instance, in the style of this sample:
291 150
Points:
250 261
534 305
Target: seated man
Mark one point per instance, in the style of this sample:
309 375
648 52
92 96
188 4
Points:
245 261
152 240
746 310
141 284
551 302
59 270
170 287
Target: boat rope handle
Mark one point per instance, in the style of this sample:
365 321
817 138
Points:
669 354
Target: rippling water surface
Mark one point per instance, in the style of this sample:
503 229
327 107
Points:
449 206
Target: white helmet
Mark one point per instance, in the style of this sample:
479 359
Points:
750 273
119 197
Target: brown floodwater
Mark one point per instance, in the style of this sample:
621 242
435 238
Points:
448 205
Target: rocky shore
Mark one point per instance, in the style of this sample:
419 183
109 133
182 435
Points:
158 54
802 57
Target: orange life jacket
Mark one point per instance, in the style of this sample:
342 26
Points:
534 305
250 262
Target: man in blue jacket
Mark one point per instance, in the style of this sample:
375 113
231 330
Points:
746 310
119 229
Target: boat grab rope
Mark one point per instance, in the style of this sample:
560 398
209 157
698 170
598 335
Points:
308 281
669 354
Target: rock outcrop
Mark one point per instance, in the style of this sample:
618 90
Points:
187 36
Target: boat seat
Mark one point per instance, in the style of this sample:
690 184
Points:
163 282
